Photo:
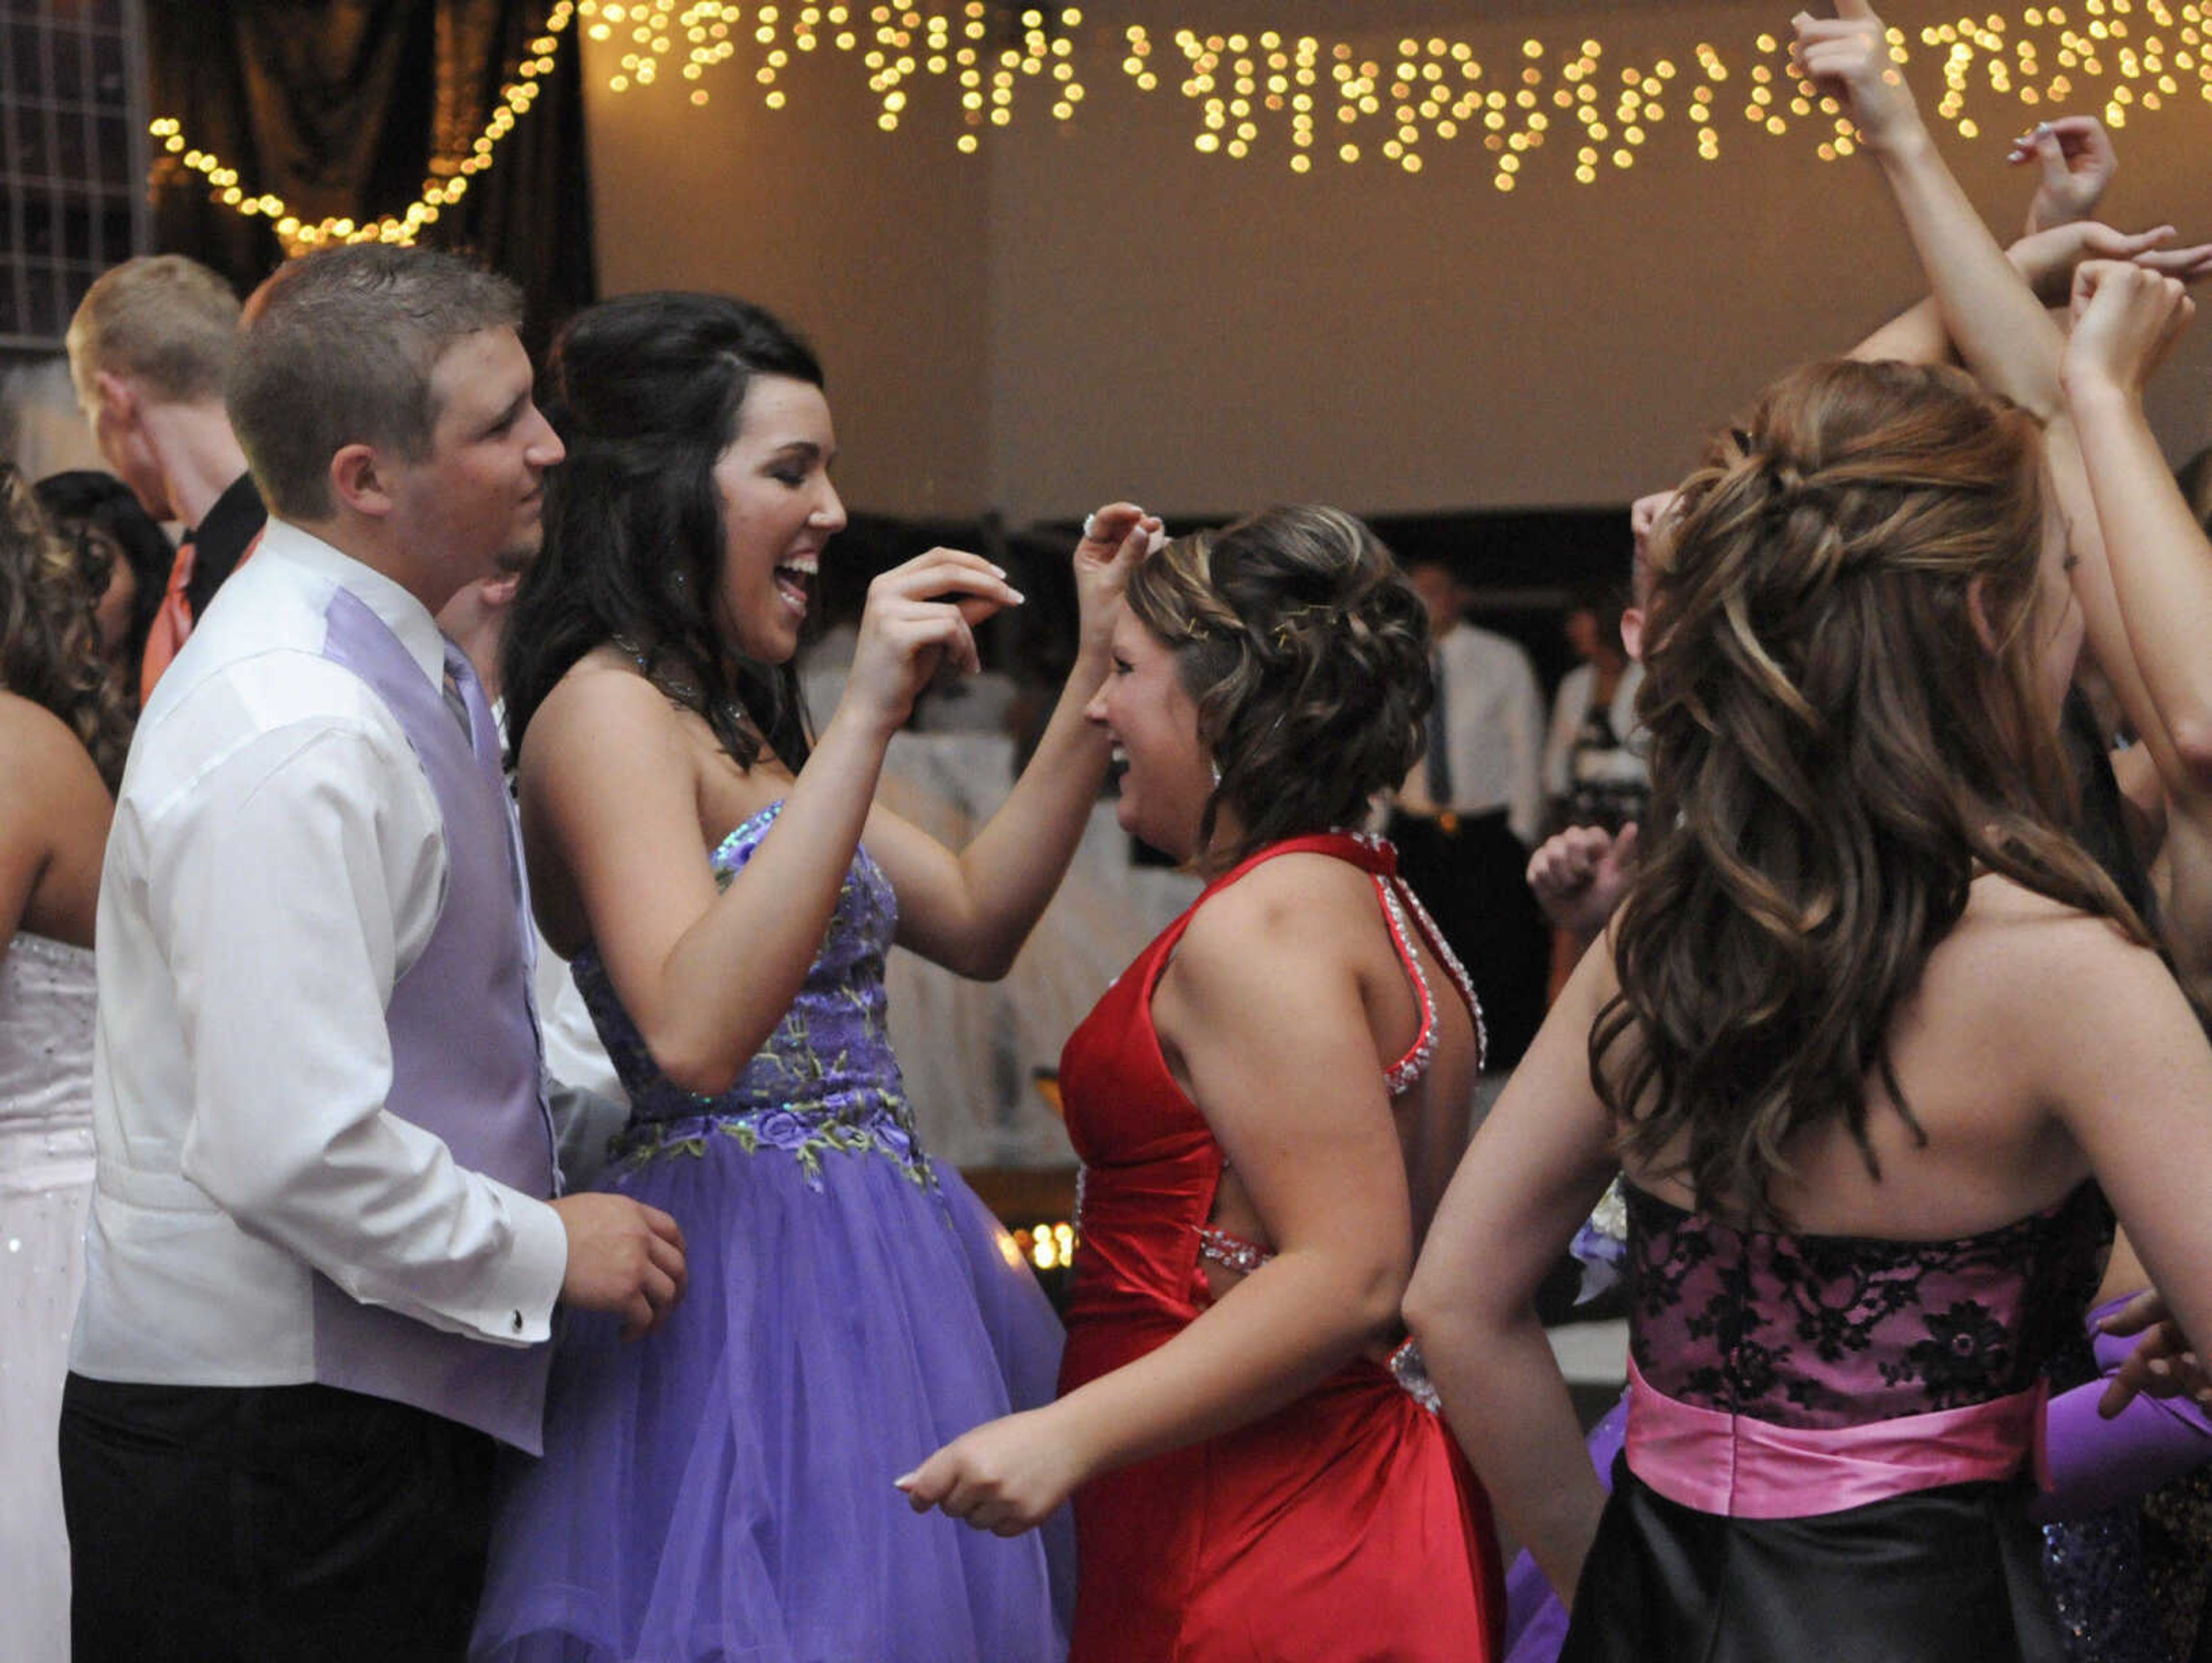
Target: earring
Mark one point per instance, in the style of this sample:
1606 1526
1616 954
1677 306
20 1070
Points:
1214 768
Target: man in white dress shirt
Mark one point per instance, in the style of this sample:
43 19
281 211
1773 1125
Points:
1465 819
325 1252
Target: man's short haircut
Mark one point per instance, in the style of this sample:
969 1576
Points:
166 321
337 348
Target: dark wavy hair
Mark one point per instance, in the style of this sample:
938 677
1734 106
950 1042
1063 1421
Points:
49 645
84 501
1307 653
1834 752
646 392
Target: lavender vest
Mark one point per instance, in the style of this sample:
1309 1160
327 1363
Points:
466 1058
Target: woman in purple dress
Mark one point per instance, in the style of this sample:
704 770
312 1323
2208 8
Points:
727 891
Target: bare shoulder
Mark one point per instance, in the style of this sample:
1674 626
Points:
604 711
600 688
41 756
2037 966
1294 908
1290 899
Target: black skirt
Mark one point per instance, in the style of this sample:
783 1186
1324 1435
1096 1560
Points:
1939 1576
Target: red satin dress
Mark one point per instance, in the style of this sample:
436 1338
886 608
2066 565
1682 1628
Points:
1345 1526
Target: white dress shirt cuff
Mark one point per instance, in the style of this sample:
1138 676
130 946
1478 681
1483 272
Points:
522 1298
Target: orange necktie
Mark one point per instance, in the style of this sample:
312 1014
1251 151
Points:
172 623
164 637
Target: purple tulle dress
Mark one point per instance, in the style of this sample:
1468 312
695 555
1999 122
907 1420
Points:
722 1489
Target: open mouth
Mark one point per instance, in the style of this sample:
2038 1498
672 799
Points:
796 580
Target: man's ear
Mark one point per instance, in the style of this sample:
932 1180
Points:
115 397
357 480
1977 610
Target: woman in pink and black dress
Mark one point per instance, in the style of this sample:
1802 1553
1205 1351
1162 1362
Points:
1871 1039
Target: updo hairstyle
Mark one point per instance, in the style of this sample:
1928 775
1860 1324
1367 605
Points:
1307 653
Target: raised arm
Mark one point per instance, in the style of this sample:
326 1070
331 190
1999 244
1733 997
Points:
2126 320
2000 329
1264 1006
609 788
972 910
1534 1171
2074 162
2009 341
2047 261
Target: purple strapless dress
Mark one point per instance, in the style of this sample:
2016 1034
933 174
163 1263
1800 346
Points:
722 1489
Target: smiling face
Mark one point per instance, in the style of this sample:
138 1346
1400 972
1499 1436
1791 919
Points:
778 509
1154 724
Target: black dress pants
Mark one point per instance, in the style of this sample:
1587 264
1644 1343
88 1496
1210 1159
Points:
298 1523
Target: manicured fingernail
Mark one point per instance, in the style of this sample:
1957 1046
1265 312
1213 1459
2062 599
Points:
904 1481
1018 597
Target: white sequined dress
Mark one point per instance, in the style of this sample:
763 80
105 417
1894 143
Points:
47 996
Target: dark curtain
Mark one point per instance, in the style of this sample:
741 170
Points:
339 107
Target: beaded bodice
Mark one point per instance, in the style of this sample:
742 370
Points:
825 1081
1829 1331
46 1003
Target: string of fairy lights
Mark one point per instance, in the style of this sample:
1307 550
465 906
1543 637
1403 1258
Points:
450 175
1312 101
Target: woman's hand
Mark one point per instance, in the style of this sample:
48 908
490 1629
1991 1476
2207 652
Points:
1114 539
2162 1363
1848 57
1007 1475
919 617
2078 162
2126 320
2047 260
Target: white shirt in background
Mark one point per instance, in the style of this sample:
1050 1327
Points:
1493 731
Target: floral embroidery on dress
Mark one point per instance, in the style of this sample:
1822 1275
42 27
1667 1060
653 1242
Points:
824 1084
1967 1345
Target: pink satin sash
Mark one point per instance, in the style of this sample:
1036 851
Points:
1741 1468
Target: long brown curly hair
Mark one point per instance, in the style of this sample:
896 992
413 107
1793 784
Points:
1834 753
49 645
1307 653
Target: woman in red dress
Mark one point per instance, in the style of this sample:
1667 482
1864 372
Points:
1267 1103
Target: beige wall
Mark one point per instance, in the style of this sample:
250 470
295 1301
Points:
1097 309
872 244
